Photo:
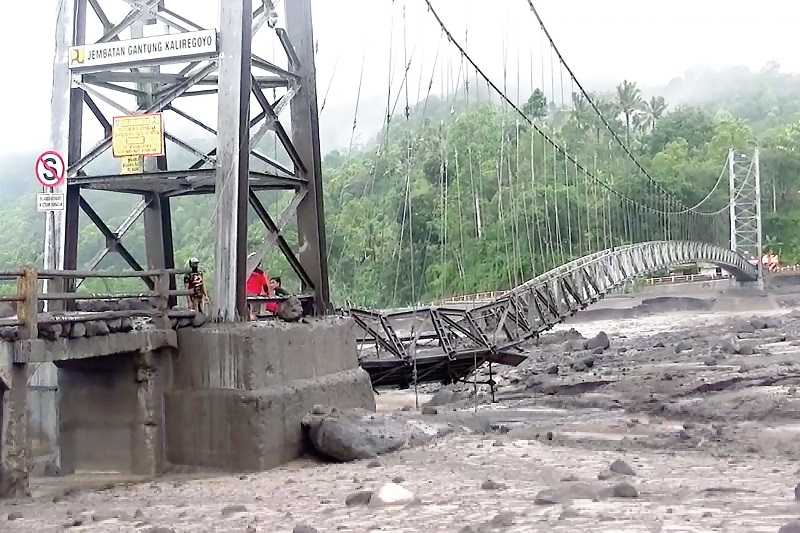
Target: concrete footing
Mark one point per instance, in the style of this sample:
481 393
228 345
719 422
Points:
240 391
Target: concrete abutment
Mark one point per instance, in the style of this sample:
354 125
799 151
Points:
229 396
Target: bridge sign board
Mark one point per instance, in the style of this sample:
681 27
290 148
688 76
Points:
50 169
50 201
138 135
144 50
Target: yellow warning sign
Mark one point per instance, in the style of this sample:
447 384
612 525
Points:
138 135
131 164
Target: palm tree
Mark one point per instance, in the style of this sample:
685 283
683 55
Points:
652 112
629 99
581 112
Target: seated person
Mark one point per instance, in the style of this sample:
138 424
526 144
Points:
277 288
258 284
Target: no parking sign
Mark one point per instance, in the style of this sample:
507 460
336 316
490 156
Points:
50 169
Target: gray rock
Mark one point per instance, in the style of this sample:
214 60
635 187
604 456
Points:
746 349
547 497
291 309
443 397
552 370
349 436
729 346
199 321
9 333
501 520
361 497
492 485
303 528
15 515
374 464
772 322
683 346
51 469
159 529
78 330
114 324
96 328
758 323
625 490
791 527
230 510
429 410
50 331
621 467
127 325
7 309
745 327
598 341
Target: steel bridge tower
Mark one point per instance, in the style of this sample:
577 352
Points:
98 72
745 206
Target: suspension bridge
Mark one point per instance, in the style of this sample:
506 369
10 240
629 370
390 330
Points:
563 220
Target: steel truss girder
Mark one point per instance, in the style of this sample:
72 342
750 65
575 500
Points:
522 314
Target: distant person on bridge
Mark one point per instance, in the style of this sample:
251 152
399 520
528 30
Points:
277 290
195 285
258 284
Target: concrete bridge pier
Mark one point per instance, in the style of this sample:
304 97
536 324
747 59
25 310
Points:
111 412
14 442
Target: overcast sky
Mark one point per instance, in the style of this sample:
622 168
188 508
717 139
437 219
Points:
644 40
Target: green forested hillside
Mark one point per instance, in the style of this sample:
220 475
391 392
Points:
445 201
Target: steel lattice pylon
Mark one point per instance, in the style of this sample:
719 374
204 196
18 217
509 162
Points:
235 170
745 206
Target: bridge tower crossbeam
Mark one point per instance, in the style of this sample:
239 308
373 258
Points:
234 171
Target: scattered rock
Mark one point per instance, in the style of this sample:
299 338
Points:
546 497
138 514
303 528
78 330
16 515
159 529
625 490
127 325
502 520
598 341
96 328
658 345
621 467
443 397
745 327
290 309
392 494
9 333
361 497
791 527
492 485
398 479
758 323
230 510
552 370
374 464
429 410
683 346
746 349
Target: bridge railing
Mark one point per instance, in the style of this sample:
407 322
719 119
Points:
61 303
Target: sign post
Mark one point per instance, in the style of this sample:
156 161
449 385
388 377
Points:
50 171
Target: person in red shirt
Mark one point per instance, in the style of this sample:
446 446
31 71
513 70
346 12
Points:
257 285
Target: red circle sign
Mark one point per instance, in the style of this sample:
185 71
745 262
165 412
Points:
50 168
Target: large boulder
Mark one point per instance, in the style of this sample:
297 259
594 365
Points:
600 341
357 434
291 309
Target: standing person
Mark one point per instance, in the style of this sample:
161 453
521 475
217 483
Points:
195 285
258 284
